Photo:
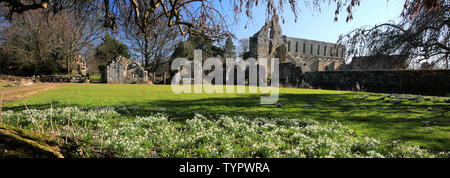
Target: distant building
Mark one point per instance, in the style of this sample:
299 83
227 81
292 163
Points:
370 63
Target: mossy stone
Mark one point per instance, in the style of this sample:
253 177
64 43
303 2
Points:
20 143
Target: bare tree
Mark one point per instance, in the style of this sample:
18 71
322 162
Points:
243 46
199 17
193 17
422 38
151 41
43 38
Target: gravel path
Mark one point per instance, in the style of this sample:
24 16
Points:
15 93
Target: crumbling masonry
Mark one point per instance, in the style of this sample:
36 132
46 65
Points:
309 55
125 71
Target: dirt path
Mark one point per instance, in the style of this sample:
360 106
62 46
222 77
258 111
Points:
15 93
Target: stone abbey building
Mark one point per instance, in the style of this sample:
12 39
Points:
309 55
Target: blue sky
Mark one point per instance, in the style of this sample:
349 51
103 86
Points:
316 25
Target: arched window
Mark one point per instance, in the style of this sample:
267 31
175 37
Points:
289 46
296 47
318 49
325 51
304 48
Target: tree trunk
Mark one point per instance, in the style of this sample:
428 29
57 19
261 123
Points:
146 55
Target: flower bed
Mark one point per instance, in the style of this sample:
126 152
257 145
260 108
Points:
115 132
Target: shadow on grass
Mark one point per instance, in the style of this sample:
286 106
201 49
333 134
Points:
390 120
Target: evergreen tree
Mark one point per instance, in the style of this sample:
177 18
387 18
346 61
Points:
186 49
229 49
109 49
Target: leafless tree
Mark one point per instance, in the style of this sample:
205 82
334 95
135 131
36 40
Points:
243 46
422 38
193 17
199 17
151 42
41 37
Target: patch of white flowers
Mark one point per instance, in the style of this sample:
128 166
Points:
60 116
156 135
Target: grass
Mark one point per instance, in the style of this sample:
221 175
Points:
95 78
3 83
418 122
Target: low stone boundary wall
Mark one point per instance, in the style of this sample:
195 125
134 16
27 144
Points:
45 78
63 79
425 82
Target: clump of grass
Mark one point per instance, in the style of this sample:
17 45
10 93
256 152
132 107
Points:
20 143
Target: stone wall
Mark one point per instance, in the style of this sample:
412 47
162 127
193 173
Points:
426 82
265 42
63 79
305 48
311 55
291 75
46 78
395 62
125 71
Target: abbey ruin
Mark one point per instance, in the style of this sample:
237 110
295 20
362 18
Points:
309 55
314 56
315 64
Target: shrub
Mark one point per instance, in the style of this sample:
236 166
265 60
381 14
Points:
102 67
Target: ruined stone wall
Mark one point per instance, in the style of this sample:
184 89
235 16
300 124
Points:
426 82
266 41
46 78
63 79
290 77
311 55
125 71
116 72
304 48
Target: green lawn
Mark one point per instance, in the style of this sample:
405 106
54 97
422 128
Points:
369 114
95 78
3 83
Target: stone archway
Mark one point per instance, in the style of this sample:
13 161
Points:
135 73
126 71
